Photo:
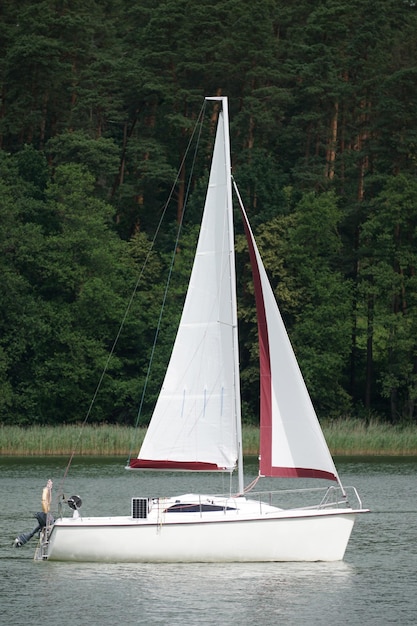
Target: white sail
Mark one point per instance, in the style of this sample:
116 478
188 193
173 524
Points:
194 422
291 440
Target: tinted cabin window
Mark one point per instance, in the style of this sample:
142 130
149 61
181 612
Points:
183 507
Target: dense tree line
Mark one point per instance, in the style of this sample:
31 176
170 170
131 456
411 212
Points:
97 105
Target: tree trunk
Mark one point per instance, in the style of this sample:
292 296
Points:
363 136
369 352
332 144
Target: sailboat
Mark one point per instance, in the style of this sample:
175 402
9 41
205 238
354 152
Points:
196 426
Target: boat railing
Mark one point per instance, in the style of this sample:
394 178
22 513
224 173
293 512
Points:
331 497
312 498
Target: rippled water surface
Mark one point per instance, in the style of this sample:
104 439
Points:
375 584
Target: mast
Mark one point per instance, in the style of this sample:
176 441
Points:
225 117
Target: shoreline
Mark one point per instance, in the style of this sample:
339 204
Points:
344 438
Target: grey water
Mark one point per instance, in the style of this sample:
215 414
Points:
375 584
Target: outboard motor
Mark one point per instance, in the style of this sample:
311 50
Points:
42 521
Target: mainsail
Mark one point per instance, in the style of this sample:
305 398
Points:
194 424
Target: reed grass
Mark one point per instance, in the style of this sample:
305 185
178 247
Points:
355 437
345 437
104 440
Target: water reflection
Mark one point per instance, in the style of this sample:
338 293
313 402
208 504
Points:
207 594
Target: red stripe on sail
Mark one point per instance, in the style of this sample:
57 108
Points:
264 362
299 472
192 466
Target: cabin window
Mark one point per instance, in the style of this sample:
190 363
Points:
184 507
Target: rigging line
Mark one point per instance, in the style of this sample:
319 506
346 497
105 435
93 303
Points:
252 484
198 125
170 271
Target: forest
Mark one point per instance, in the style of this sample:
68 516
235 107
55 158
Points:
98 101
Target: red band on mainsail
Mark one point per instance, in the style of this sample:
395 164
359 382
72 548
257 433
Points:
191 466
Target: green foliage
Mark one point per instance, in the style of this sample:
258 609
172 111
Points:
100 156
301 252
63 296
389 278
98 101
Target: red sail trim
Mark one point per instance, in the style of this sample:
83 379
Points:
191 466
299 472
264 362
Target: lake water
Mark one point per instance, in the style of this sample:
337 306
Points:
375 584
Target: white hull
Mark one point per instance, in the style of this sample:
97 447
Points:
241 535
